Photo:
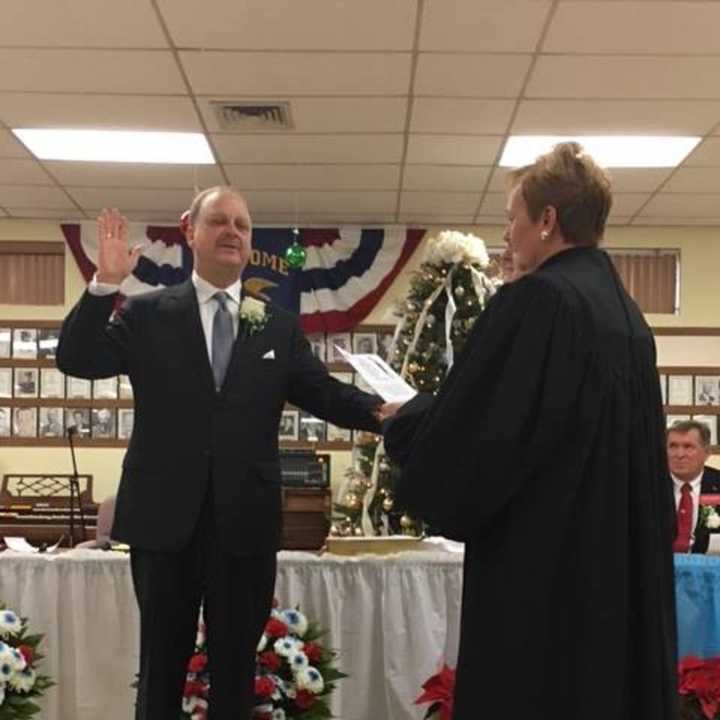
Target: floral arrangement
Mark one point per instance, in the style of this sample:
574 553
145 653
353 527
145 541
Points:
709 517
699 688
20 682
294 673
439 691
254 315
453 247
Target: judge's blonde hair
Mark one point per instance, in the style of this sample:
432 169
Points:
569 180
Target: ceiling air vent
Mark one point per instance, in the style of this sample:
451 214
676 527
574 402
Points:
252 116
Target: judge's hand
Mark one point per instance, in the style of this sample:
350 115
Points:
386 411
115 258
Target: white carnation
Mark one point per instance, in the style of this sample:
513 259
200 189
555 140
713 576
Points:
296 621
9 623
298 661
713 520
23 681
455 247
262 643
310 679
286 646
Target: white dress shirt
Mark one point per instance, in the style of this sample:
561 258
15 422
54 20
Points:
208 306
694 494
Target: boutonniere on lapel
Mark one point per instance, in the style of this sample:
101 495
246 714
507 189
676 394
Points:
254 315
709 516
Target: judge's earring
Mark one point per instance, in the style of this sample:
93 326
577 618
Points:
544 235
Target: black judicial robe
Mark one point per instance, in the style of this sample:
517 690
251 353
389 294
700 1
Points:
544 451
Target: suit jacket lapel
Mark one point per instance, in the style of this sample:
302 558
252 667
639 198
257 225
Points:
185 299
246 347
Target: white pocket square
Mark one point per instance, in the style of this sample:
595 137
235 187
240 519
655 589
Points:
269 355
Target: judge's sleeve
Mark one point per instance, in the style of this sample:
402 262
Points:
502 415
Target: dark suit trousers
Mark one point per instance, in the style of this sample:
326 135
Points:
236 592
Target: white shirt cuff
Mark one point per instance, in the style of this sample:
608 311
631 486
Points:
99 288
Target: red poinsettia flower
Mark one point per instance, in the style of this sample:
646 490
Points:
313 652
197 662
304 699
276 628
439 690
270 660
27 652
264 686
194 687
701 678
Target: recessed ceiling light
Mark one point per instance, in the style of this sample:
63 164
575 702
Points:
638 151
117 146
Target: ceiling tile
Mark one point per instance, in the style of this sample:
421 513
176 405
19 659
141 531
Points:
323 219
456 75
453 149
159 217
677 221
434 202
288 24
625 204
28 196
694 180
598 76
669 117
134 175
39 213
22 172
491 25
435 219
11 147
101 71
493 204
305 73
491 220
707 153
436 115
80 23
98 111
330 201
683 206
314 177
634 27
457 178
314 115
616 220
309 148
133 199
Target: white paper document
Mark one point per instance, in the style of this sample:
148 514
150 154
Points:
20 544
379 376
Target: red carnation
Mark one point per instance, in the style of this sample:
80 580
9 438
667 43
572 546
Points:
276 628
439 690
27 652
313 652
197 663
264 686
270 660
304 699
194 687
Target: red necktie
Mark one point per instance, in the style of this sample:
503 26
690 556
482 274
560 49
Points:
684 520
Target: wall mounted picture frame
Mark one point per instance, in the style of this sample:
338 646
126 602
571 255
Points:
26 382
24 344
289 425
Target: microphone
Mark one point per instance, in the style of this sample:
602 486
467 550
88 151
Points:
72 430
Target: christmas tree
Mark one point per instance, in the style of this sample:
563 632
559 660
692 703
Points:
447 293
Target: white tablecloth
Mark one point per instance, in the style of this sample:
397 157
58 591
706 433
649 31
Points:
393 619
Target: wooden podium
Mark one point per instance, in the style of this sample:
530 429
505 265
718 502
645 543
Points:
305 521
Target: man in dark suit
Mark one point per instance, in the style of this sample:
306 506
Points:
199 500
688 448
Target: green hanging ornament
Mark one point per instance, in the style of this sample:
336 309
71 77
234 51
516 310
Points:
296 254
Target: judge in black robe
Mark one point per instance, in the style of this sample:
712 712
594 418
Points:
544 452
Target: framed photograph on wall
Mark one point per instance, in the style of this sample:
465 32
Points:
707 390
317 343
311 429
341 340
680 390
5 342
25 421
126 420
289 424
125 391
711 422
5 418
338 434
24 343
6 382
364 343
102 422
79 418
384 342
51 422
105 389
52 383
670 420
78 388
26 382
47 342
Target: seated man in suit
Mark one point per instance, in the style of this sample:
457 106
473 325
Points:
688 447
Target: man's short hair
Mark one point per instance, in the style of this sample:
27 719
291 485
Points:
686 426
200 198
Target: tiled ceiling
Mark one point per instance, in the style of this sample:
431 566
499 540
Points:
400 108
